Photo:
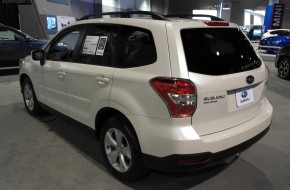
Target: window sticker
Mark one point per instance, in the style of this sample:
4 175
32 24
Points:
90 45
101 45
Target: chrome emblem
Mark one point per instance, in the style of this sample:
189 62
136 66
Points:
212 99
250 79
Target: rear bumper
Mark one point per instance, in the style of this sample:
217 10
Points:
189 162
163 138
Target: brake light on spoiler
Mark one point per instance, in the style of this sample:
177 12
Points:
216 23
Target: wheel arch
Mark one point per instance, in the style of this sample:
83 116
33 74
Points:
23 76
106 113
137 168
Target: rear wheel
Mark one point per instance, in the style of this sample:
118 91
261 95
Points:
29 98
121 150
284 68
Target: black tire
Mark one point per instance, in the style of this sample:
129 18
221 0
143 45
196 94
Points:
121 150
284 68
30 101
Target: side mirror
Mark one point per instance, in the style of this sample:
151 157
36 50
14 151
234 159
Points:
29 39
38 55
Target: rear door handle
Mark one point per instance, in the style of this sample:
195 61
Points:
101 79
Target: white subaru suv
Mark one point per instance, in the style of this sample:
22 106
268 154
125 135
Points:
172 95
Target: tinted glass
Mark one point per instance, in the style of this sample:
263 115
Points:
257 27
137 48
99 45
218 51
284 33
62 50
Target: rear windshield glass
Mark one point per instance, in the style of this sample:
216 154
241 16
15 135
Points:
218 51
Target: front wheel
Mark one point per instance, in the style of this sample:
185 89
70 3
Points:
29 98
121 150
284 68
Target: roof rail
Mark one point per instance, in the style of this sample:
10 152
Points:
190 16
128 14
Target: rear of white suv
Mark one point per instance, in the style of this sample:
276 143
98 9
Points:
169 95
229 81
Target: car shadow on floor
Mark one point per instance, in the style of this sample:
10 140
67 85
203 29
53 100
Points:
165 180
83 139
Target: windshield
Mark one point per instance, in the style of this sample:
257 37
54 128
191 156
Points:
218 51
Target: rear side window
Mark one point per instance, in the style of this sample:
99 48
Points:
137 47
218 51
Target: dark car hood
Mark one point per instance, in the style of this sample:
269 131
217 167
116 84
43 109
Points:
39 43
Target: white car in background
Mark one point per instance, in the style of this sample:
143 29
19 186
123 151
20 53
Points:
277 32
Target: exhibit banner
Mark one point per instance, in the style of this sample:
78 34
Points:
63 21
277 16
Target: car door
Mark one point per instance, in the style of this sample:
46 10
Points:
54 71
89 80
13 46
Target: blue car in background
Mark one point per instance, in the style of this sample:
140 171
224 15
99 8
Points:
14 45
254 32
275 43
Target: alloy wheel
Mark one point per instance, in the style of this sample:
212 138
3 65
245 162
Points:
28 97
283 69
117 150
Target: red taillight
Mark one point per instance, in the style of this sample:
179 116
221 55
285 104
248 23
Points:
216 23
178 94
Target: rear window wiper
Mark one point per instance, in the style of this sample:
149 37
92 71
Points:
254 63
